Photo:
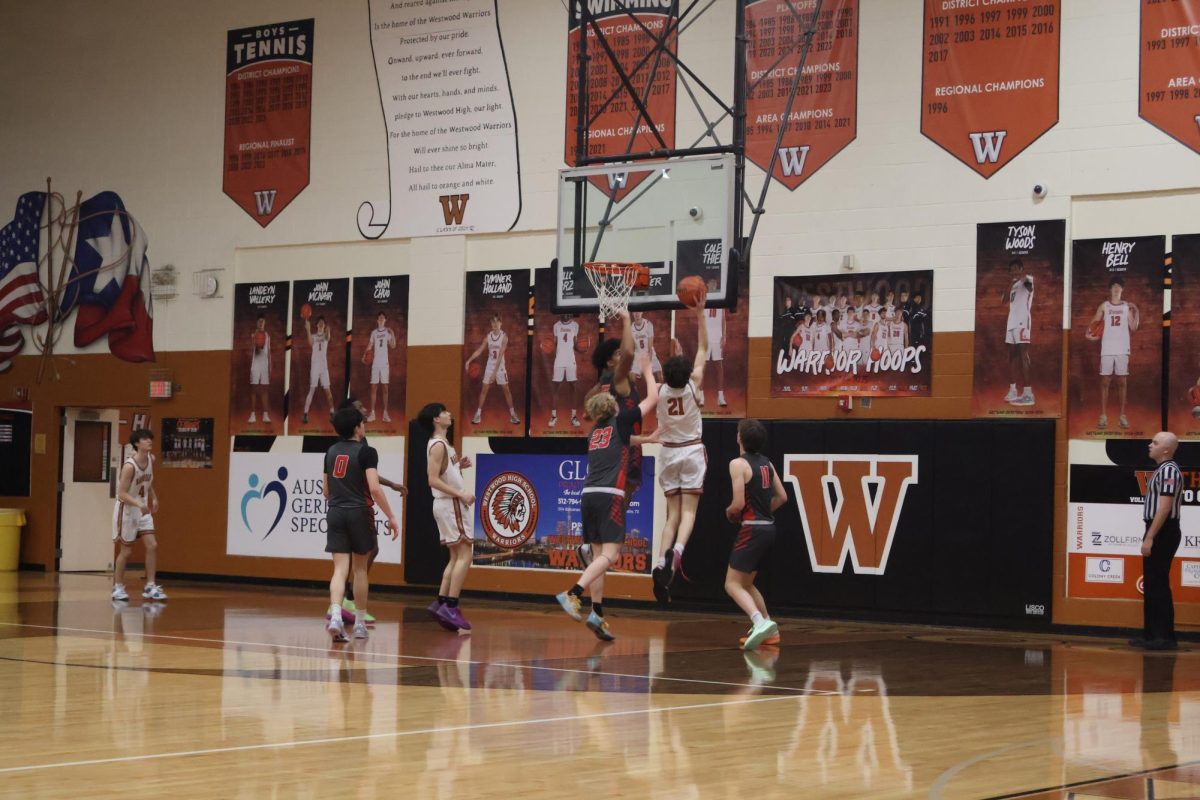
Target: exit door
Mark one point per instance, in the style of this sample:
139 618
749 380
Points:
91 461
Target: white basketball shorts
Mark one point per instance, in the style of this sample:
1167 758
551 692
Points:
455 520
129 523
496 372
1114 365
380 373
681 469
564 371
1017 335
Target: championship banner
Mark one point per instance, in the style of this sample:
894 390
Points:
651 334
723 392
268 116
1169 95
379 352
318 374
495 350
989 84
528 514
453 164
1183 395
277 506
824 115
1115 362
257 360
616 126
187 442
1105 530
867 335
562 363
1018 319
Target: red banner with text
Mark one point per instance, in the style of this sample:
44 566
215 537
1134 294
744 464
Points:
1169 97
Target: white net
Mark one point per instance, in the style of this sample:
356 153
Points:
614 282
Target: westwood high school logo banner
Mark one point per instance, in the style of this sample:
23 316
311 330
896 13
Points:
268 105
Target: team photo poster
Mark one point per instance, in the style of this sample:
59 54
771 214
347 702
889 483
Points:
723 391
318 374
259 342
1183 396
1115 380
495 348
562 363
1018 319
867 334
379 351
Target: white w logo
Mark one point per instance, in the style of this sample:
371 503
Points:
616 181
987 145
265 201
792 160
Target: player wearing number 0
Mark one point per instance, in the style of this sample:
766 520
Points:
318 370
1113 323
1019 298
683 461
452 502
133 515
757 493
382 340
260 368
496 369
566 369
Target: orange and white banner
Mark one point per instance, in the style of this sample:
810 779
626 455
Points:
1169 92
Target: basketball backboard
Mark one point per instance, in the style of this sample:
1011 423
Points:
673 216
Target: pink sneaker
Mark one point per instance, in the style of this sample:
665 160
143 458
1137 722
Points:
453 617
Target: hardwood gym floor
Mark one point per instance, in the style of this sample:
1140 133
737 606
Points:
236 692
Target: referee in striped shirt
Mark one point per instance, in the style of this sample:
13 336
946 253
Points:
1164 492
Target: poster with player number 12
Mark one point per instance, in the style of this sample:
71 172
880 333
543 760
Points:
379 352
318 377
495 350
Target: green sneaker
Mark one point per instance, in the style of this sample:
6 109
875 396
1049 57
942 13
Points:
348 605
760 632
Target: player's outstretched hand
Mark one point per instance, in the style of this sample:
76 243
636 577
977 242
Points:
468 499
465 462
393 527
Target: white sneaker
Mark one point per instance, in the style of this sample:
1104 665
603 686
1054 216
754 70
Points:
1012 395
1025 399
386 418
1123 421
360 628
154 592
371 417
721 399
553 421
118 592
1102 422
513 418
253 417
478 416
575 423
266 417
334 626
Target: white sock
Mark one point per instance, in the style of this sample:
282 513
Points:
678 548
662 561
1028 390
1012 387
756 618
335 609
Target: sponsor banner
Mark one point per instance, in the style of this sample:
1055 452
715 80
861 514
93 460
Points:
865 334
1105 524
1168 91
824 114
651 334
625 37
277 506
268 115
724 387
16 439
989 83
379 351
1018 319
318 374
1189 574
259 343
562 363
1115 359
187 442
1183 393
528 513
495 333
451 126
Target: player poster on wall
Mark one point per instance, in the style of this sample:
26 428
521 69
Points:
259 342
652 335
562 363
1183 395
723 392
867 334
268 115
824 114
187 442
1115 363
1169 67
318 374
989 81
495 349
379 351
1018 318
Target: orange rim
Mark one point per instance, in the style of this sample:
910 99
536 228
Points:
606 268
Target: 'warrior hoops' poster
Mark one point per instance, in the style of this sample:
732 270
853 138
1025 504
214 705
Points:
259 344
869 334
495 348
562 363
318 376
989 83
1018 319
268 104
723 391
1115 381
1169 92
628 37
379 351
1183 396
824 115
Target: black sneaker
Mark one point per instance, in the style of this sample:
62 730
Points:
1162 644
661 585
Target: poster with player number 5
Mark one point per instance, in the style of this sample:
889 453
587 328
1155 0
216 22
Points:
379 351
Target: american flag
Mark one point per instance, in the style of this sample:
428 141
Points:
21 299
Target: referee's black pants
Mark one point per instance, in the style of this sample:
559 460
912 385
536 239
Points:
1158 611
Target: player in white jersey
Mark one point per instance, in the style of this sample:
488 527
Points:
495 370
897 331
452 502
717 327
318 370
133 516
889 304
1119 319
1018 334
260 368
851 330
683 461
566 368
643 342
822 334
377 354
802 336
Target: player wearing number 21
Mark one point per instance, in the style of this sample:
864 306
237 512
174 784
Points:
1113 323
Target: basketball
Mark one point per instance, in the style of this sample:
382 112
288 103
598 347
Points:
305 311
796 341
1095 330
691 291
829 361
260 339
547 345
583 344
875 354
369 357
474 371
1193 395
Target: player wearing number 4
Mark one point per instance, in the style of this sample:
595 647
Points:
566 368
1113 323
133 516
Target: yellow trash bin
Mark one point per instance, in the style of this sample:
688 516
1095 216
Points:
11 521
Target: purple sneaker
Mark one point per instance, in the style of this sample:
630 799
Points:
434 610
453 617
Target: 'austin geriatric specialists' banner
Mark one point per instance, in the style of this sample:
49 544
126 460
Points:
989 85
1105 529
495 349
528 513
256 363
268 116
1169 90
1183 395
824 116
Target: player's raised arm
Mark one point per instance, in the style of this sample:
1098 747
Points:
308 331
650 402
701 346
625 362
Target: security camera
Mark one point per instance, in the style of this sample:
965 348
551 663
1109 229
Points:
695 212
1040 190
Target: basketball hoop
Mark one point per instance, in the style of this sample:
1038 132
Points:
614 282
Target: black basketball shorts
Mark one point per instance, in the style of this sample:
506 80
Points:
751 547
603 517
350 530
